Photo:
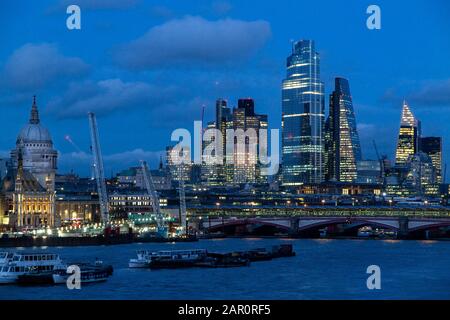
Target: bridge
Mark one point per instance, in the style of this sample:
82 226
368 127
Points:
405 227
405 222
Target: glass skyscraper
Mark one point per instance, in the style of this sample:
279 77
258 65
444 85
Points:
408 138
303 117
432 146
342 145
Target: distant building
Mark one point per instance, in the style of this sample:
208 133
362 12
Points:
245 163
39 156
27 198
76 199
342 141
432 146
417 177
408 138
369 172
421 176
212 174
303 113
27 204
182 171
134 177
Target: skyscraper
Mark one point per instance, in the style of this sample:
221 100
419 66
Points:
343 147
432 146
303 117
408 138
246 167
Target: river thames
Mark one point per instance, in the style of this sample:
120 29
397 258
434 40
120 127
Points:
322 269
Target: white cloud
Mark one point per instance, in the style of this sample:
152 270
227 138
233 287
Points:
33 66
194 40
108 95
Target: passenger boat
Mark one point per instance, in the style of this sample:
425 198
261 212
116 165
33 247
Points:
5 257
143 259
22 263
35 278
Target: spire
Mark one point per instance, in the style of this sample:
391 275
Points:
408 118
34 119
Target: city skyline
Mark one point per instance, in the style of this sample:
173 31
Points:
147 139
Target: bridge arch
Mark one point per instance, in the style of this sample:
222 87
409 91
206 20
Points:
391 224
247 222
428 225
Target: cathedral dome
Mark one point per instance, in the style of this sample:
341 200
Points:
34 132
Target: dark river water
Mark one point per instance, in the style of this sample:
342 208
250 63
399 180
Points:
322 269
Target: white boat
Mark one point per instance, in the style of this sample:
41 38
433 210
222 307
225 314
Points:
145 257
5 257
365 232
26 263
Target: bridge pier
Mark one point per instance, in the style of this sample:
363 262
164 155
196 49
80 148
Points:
294 223
403 230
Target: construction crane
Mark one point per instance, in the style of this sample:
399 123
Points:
99 170
151 190
183 211
380 160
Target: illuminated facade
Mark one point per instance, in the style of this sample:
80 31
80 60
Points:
26 204
408 138
421 176
432 146
303 117
246 167
39 156
28 189
342 140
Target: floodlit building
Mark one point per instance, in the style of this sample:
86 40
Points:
432 146
28 189
342 141
303 114
408 138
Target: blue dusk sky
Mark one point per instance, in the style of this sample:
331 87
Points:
147 67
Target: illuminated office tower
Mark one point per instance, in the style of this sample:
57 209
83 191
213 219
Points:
245 166
408 138
303 117
343 147
432 146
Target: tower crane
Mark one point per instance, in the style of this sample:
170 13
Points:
183 210
98 169
380 160
151 190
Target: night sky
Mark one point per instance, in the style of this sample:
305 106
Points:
148 67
